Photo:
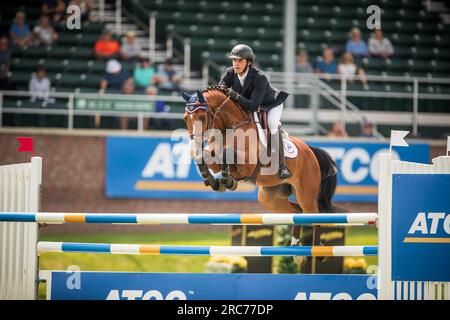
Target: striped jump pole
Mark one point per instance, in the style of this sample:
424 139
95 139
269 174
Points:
187 218
248 251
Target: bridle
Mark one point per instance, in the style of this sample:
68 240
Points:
193 107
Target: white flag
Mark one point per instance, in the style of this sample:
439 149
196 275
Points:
398 138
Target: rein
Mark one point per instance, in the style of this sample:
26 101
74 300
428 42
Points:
233 125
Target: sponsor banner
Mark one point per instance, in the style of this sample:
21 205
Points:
96 104
157 167
421 227
180 286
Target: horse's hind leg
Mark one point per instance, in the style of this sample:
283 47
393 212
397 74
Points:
306 192
276 199
306 196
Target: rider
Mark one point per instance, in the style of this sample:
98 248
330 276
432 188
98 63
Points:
250 88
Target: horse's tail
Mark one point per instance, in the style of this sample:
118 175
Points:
328 170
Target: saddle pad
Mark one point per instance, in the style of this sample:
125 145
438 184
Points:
261 133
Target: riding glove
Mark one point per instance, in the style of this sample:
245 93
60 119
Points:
233 94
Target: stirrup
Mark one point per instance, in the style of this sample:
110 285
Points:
284 133
284 173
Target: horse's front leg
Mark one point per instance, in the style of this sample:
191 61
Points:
208 178
227 180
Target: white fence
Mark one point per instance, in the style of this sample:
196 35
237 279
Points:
403 290
20 187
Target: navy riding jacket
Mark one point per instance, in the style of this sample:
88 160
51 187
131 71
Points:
257 91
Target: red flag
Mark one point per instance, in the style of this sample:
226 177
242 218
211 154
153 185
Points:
26 144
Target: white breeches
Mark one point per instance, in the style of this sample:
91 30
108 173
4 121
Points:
273 118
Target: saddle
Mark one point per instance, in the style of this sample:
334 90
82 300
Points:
260 118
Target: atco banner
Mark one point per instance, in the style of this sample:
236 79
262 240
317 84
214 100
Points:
198 286
156 167
421 227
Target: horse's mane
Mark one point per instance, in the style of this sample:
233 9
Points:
214 88
220 90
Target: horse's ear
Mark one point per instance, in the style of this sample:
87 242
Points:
200 97
186 96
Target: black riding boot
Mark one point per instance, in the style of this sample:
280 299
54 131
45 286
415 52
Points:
283 171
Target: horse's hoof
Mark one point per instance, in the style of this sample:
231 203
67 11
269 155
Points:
216 186
234 186
206 182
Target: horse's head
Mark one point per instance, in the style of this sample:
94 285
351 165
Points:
196 118
207 111
196 113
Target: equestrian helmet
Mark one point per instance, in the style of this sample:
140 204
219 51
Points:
242 51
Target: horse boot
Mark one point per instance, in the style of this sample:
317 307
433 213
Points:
283 171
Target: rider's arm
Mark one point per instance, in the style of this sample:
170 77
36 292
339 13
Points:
227 79
257 97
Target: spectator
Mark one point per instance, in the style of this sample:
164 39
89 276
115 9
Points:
114 80
44 32
115 76
327 65
167 78
55 9
20 31
367 130
39 87
143 73
85 8
130 48
303 66
380 46
355 45
127 88
337 131
347 68
5 63
106 47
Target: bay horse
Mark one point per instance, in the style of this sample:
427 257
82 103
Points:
313 181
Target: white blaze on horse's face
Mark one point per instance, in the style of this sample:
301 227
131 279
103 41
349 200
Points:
195 142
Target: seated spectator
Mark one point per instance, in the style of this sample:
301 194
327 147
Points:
39 87
367 130
5 63
55 9
337 131
127 88
143 73
130 48
44 32
115 76
347 68
113 80
327 65
106 47
167 78
303 66
85 8
355 45
20 31
380 46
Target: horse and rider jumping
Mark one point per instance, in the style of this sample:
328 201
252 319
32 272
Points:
243 89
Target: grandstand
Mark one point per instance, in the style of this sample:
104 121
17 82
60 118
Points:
412 86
